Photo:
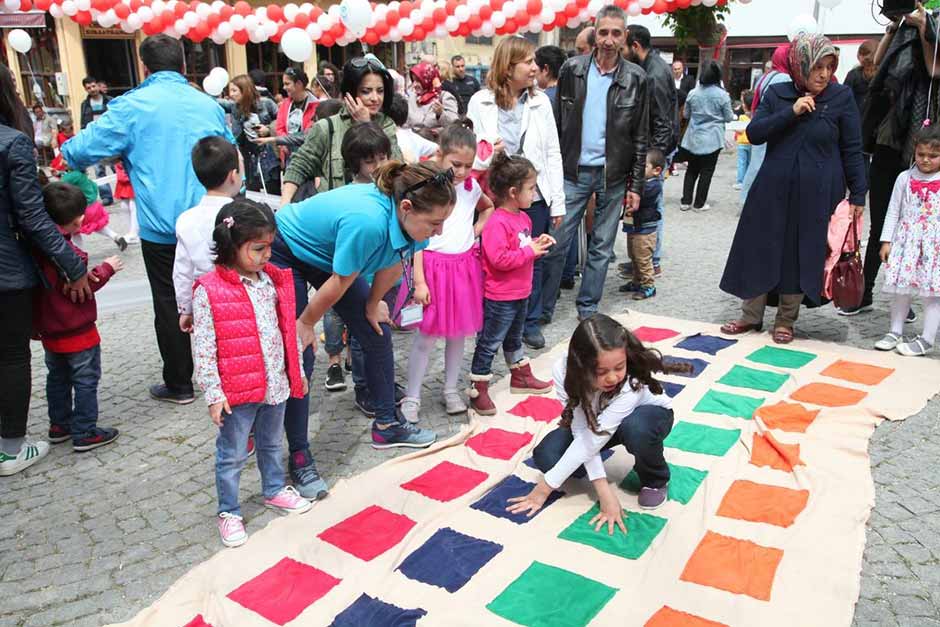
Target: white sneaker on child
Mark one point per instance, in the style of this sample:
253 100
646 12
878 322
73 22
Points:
232 529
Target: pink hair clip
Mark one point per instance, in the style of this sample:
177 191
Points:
927 122
229 221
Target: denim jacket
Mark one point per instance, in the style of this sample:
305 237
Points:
708 110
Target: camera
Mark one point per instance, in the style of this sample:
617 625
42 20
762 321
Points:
897 8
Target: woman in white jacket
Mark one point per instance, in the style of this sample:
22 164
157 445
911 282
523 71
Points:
516 117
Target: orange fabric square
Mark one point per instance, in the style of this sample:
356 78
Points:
828 395
668 617
855 372
738 566
787 416
767 451
757 502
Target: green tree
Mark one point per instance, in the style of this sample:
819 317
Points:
701 25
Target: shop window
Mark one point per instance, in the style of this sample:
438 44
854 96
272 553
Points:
269 58
43 57
201 58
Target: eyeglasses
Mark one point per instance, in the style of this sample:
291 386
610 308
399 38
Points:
441 178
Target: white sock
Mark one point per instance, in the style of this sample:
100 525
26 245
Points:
931 318
418 363
453 360
134 229
899 308
108 232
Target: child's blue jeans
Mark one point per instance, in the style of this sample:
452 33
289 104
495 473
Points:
231 451
503 325
72 390
744 160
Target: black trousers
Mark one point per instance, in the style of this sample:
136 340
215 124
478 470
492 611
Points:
641 433
175 349
16 321
886 165
701 169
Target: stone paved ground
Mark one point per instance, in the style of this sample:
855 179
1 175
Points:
94 538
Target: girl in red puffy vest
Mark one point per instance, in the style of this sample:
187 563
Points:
247 358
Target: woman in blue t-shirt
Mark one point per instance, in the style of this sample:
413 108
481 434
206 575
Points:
333 241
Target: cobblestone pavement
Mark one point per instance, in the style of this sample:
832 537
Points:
93 538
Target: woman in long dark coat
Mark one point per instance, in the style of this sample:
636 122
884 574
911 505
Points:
814 150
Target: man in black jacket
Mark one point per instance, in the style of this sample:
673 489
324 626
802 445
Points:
463 84
684 82
602 115
664 114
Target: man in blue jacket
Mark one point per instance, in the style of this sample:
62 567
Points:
153 129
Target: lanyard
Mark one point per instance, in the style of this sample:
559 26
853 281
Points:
407 273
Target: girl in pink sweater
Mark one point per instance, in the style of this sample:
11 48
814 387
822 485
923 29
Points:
509 255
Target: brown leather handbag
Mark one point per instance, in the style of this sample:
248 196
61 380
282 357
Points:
848 277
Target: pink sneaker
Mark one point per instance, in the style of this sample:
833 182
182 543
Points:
289 501
232 529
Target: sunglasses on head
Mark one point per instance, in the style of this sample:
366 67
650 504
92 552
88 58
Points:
441 178
370 61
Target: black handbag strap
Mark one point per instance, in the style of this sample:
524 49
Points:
329 154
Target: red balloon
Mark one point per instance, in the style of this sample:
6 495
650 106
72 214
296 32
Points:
180 9
533 7
240 37
582 4
464 30
326 40
392 17
572 10
660 6
419 33
82 17
43 5
510 26
548 27
371 38
450 6
100 5
168 18
243 8
440 15
26 5
560 20
381 29
135 4
496 5
337 30
213 20
302 20
405 8
275 13
120 9
226 12
315 12
486 12
428 24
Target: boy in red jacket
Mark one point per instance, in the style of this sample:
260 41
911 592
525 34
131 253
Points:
69 335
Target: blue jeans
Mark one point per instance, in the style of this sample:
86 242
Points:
541 220
503 324
351 307
744 159
72 390
571 263
231 451
600 245
104 191
333 330
641 433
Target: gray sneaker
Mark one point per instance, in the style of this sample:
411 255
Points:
401 434
409 409
453 403
651 498
303 472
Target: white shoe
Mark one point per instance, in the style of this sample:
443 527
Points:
918 347
737 187
453 403
30 453
684 207
889 342
705 207
409 408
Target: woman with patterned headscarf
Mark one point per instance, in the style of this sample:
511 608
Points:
814 151
429 107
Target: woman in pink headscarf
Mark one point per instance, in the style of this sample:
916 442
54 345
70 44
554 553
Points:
430 108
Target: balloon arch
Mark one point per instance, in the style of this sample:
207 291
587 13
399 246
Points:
297 27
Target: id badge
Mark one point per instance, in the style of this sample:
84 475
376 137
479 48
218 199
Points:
412 315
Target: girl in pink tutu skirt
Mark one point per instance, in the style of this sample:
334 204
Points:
96 216
448 276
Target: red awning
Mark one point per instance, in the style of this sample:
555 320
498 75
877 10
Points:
32 19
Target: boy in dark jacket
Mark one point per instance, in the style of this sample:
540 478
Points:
640 227
68 334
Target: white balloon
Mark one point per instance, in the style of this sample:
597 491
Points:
269 28
158 6
596 5
212 86
333 12
394 34
488 30
256 36
145 14
356 15
498 19
440 32
646 4
406 27
583 14
709 3
324 22
462 13
474 5
127 28
306 7
634 9
221 73
509 9
830 4
69 8
20 40
217 5
262 14
427 8
451 23
314 31
224 29
251 22
547 16
203 10
296 44
83 5
191 19
217 38
803 24
11 5
180 27
290 11
134 21
237 21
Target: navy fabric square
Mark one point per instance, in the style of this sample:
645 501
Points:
698 365
368 611
672 389
530 462
705 343
448 559
496 500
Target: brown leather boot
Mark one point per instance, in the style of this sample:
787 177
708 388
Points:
524 382
480 400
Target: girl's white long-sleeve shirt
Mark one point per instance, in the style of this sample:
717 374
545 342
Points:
586 447
901 199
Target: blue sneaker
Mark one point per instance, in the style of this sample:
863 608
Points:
402 434
303 472
644 292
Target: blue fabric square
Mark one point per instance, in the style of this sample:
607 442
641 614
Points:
496 500
698 365
705 344
448 559
368 611
606 453
672 389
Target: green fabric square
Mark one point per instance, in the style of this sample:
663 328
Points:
642 529
744 377
683 482
781 357
726 404
546 596
696 438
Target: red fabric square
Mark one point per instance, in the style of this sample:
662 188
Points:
538 408
283 591
199 621
369 533
498 444
652 334
446 481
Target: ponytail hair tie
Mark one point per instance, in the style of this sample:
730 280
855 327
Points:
228 221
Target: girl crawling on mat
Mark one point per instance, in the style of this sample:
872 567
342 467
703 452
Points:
610 398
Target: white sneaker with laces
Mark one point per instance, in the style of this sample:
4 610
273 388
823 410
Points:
30 453
683 207
409 409
232 529
453 403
